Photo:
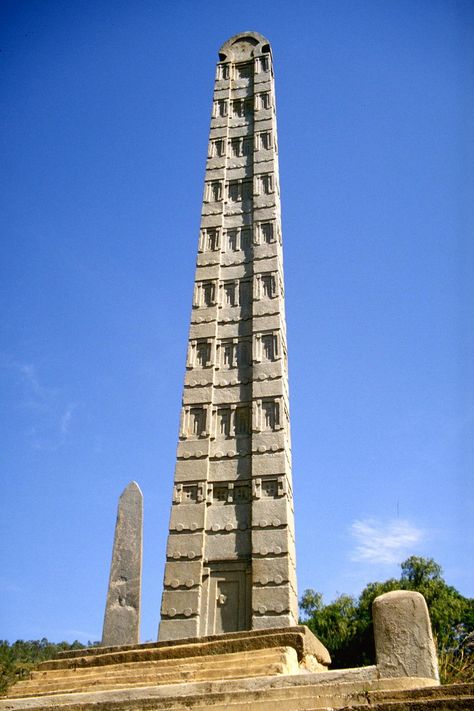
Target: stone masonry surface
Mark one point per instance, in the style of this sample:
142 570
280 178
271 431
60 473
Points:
230 558
122 611
404 642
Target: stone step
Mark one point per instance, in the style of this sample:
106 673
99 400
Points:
199 687
448 698
194 679
291 697
240 659
298 637
133 680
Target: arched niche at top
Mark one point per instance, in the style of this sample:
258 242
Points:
243 47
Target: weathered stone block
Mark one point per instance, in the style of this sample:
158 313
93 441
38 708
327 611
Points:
270 541
403 638
190 470
187 517
230 470
179 628
227 545
272 599
184 545
228 518
268 622
183 573
273 570
268 464
197 395
180 602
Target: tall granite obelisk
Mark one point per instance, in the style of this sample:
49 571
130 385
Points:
122 610
230 559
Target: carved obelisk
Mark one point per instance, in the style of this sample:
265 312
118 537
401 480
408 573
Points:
122 611
230 558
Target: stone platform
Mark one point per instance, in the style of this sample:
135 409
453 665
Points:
230 656
284 669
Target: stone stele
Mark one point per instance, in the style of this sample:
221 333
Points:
403 638
230 558
122 611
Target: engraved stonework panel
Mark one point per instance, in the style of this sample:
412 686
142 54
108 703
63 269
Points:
230 554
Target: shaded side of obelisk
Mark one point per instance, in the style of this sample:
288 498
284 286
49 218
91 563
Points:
122 610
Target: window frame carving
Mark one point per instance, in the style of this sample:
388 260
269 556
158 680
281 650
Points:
200 291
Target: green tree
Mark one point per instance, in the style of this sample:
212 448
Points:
17 659
345 625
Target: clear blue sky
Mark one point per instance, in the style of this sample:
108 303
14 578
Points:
105 118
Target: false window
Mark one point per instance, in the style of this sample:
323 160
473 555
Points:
229 289
242 420
265 140
270 488
203 353
198 421
223 417
268 285
231 240
241 493
265 184
209 239
214 191
220 108
208 293
244 71
244 239
223 71
217 148
264 100
267 232
189 493
220 493
270 415
268 346
227 349
238 108
244 353
236 147
234 191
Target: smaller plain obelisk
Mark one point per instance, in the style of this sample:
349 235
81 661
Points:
122 610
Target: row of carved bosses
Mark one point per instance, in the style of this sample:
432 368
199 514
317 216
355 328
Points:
227 544
276 571
258 608
223 516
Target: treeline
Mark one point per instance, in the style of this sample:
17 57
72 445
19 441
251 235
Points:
17 659
345 625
